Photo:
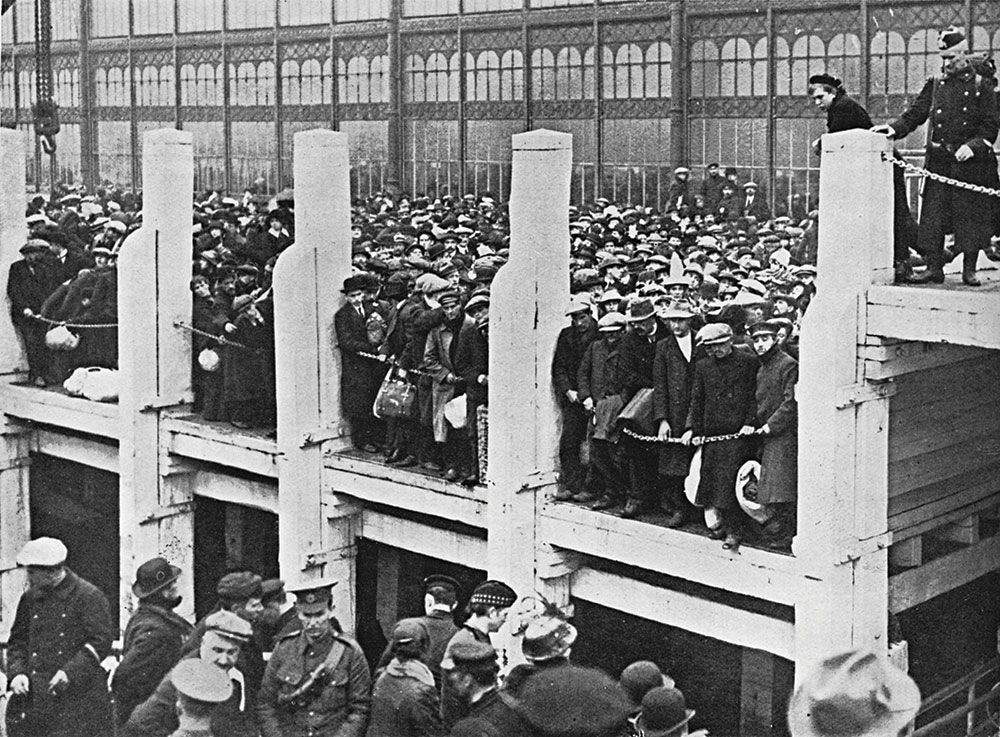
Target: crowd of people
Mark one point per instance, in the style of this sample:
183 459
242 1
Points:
260 665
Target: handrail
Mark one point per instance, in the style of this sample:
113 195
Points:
958 686
929 729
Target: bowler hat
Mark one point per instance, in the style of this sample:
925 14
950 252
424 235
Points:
664 712
201 681
641 677
154 575
354 283
853 694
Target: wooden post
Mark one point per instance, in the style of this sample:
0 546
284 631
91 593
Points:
529 298
756 692
154 360
843 420
13 233
15 519
313 541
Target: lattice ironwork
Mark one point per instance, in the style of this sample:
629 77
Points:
256 36
986 14
200 55
793 107
367 47
156 58
648 108
310 50
201 114
380 111
719 27
825 23
493 110
426 43
157 114
251 113
500 40
110 60
305 112
563 109
558 37
431 110
640 33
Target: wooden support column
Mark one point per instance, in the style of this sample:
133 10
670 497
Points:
756 692
13 233
16 440
843 421
314 541
387 609
528 298
154 360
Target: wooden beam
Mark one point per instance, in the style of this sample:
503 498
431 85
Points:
905 506
204 446
60 410
890 361
907 553
984 507
758 573
756 692
964 531
935 315
88 451
686 612
434 542
394 487
262 494
940 576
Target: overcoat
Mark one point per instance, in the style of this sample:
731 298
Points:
359 376
441 344
405 702
777 408
672 378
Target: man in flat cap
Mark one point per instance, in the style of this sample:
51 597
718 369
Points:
722 402
30 281
224 635
960 107
279 616
239 592
440 600
472 677
201 688
61 633
317 681
754 203
404 698
153 638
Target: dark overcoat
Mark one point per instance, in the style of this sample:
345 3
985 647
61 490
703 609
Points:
405 702
722 402
777 408
359 376
672 378
570 346
441 628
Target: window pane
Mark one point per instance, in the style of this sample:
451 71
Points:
153 16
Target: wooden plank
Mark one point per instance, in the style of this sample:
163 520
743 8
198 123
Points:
964 531
976 322
393 487
958 381
907 553
434 542
910 588
700 616
915 439
984 507
963 487
969 455
757 573
259 494
245 458
756 692
60 410
88 451
893 361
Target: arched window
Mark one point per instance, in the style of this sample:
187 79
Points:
760 68
543 74
206 86
291 83
189 85
629 80
512 75
67 91
782 68
454 83
922 59
843 59
704 69
327 79
357 68
7 89
658 70
413 70
265 83
808 58
487 82
244 92
26 83
117 89
888 63
735 68
378 85
147 86
569 74
312 82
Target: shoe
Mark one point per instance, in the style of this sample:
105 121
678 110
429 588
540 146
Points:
451 474
585 497
370 448
932 275
902 272
430 466
677 519
562 494
240 424
39 382
969 270
394 456
717 534
971 281
732 541
471 480
604 502
407 462
633 508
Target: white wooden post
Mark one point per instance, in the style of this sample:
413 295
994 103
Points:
15 517
528 301
314 542
13 233
154 360
843 421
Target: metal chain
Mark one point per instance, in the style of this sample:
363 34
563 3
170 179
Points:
385 359
73 324
677 441
217 338
913 168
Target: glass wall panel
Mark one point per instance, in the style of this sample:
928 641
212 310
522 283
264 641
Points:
637 169
65 20
432 161
488 156
490 6
155 86
25 20
413 8
68 154
250 14
66 87
251 83
209 155
305 12
368 142
108 18
7 98
254 156
7 26
345 10
114 152
556 3
153 16
199 15
731 142
583 180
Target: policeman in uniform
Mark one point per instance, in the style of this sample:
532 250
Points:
201 687
61 633
317 682
961 108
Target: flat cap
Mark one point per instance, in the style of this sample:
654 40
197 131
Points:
611 322
469 655
200 680
431 283
42 551
479 300
410 631
239 586
493 593
35 245
272 589
574 702
714 332
229 625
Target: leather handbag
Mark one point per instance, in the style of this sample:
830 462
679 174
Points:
396 397
637 415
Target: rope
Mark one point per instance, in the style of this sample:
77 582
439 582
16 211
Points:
95 325
914 169
677 441
385 359
217 338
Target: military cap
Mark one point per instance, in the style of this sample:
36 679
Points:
599 706
611 322
200 680
42 551
493 593
154 575
479 300
449 296
101 251
952 39
469 655
35 245
806 269
713 333
313 597
229 625
440 580
239 586
272 589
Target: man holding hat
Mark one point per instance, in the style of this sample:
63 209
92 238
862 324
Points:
30 281
359 376
153 637
201 688
960 107
404 698
224 635
722 403
61 633
317 681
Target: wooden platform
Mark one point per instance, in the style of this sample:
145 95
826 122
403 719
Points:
251 451
54 407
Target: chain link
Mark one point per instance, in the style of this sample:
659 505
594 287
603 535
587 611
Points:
217 338
385 359
914 169
92 326
677 441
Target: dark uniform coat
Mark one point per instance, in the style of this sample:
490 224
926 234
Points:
961 109
67 628
492 716
151 647
405 702
672 378
454 708
157 715
339 704
722 402
777 408
570 346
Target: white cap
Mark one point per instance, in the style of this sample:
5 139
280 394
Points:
43 551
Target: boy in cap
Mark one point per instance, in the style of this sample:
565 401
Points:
201 687
317 680
224 635
153 638
404 698
61 633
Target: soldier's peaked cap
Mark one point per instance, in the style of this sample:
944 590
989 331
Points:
200 680
312 597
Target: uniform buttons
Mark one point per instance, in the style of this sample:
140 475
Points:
939 111
966 93
964 108
62 634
